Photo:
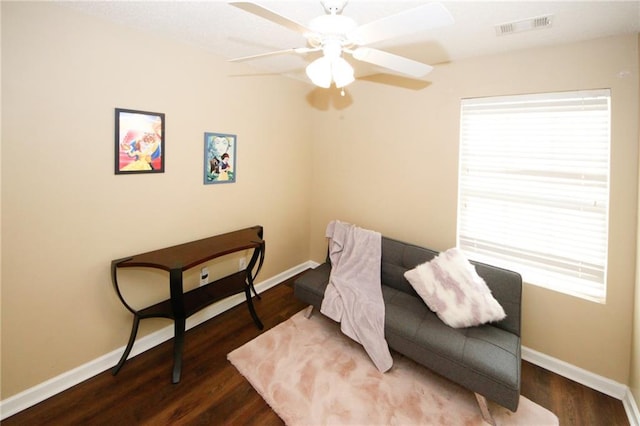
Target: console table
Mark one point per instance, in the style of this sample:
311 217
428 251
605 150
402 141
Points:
181 305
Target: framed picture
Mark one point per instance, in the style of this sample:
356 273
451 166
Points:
219 158
139 142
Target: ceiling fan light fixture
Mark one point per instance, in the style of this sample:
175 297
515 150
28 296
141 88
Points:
342 72
319 72
325 70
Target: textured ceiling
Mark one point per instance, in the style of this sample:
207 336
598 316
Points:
230 32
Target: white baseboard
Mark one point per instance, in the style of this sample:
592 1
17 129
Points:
577 374
587 378
631 408
64 381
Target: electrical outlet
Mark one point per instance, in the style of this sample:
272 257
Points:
242 264
204 276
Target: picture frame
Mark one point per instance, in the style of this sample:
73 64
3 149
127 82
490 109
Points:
219 158
139 142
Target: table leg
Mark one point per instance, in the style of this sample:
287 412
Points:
258 252
252 311
132 339
178 346
179 320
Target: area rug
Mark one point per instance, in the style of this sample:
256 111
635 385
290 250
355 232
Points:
311 374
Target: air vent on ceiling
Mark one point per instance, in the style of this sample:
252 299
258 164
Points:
536 23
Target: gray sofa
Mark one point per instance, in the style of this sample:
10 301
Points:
484 359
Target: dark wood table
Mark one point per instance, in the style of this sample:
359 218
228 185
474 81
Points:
181 305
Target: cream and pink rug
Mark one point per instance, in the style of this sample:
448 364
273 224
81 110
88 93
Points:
311 374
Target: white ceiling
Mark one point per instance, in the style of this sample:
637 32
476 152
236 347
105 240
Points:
230 32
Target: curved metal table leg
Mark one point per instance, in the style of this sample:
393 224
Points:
258 252
132 339
252 311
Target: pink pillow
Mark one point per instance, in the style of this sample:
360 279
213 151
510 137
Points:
451 287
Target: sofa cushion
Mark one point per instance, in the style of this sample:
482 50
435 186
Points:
397 257
452 288
467 355
409 318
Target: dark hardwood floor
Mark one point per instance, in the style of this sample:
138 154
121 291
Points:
212 392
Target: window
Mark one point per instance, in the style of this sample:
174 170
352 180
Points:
534 187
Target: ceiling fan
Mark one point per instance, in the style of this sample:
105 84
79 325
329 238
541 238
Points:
334 34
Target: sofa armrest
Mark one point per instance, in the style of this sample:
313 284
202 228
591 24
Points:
506 287
310 286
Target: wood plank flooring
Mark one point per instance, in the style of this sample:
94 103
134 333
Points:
212 392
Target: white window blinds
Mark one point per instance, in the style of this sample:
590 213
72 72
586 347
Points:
534 187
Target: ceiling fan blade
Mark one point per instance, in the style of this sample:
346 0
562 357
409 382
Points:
426 17
270 15
393 62
276 52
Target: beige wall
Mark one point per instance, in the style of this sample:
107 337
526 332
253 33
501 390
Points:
65 215
386 159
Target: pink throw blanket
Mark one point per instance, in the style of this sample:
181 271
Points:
353 296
